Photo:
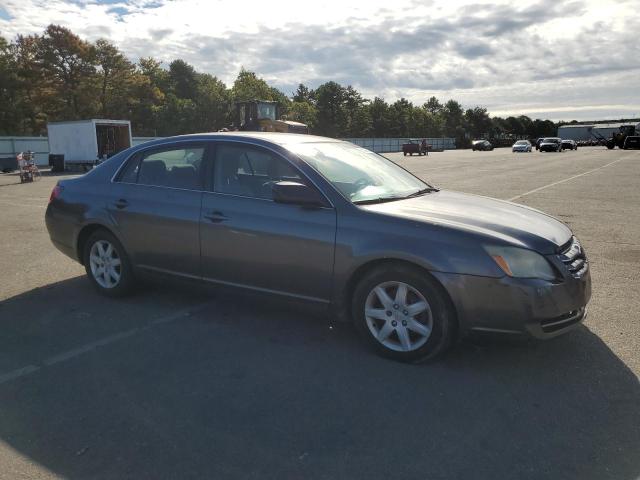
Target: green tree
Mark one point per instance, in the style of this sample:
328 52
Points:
478 121
34 99
304 112
401 118
303 94
116 80
248 86
213 105
433 106
69 63
379 113
183 79
332 114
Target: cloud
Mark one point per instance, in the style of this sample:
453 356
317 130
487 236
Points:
532 57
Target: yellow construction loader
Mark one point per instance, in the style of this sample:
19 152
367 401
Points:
262 116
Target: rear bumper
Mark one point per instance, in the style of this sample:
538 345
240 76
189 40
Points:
517 307
62 231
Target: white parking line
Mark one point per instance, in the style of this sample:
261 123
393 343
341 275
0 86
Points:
75 352
563 181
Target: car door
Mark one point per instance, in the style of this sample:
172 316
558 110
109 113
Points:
249 240
156 204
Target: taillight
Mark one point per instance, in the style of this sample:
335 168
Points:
55 193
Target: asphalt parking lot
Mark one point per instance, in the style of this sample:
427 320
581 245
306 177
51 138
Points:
177 382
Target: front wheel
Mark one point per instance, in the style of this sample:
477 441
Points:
403 314
107 265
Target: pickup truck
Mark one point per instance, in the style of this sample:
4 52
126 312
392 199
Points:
415 146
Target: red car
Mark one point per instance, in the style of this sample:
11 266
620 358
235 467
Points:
415 146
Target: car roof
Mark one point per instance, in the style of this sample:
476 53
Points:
273 137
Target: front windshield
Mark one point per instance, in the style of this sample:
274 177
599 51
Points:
522 142
550 140
359 174
266 111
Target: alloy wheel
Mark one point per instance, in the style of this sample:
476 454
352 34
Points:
106 266
398 316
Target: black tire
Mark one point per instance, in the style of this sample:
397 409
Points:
126 282
442 316
404 153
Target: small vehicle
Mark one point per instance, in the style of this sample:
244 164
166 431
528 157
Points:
538 142
27 168
262 116
632 143
415 146
618 139
521 146
569 144
325 221
551 144
481 145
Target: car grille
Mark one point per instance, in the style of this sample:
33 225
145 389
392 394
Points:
563 321
573 257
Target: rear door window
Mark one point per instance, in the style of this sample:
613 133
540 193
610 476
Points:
175 167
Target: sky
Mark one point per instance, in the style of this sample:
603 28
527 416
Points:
554 59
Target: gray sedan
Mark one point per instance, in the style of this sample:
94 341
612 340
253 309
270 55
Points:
313 218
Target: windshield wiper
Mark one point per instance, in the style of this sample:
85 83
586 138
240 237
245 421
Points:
377 200
421 192
396 197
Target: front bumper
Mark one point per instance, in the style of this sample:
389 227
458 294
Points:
518 307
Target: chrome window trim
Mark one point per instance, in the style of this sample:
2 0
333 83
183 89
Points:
270 200
161 186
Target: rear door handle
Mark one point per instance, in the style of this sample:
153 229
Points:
215 217
121 203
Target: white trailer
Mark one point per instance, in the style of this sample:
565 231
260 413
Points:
86 142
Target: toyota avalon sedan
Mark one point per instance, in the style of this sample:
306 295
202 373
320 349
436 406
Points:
412 266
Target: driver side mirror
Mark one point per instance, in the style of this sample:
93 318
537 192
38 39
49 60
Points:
296 193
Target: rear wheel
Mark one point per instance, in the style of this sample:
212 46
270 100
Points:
107 265
403 314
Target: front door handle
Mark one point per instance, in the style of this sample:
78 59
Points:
215 217
121 203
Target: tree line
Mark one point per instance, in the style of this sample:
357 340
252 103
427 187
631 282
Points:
59 76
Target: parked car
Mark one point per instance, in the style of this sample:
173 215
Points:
521 146
481 145
551 144
632 142
538 142
415 146
328 222
569 144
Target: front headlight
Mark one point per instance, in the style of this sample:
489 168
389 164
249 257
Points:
521 263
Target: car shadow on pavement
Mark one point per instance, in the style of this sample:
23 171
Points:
248 387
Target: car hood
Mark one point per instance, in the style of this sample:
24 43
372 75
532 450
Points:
496 219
